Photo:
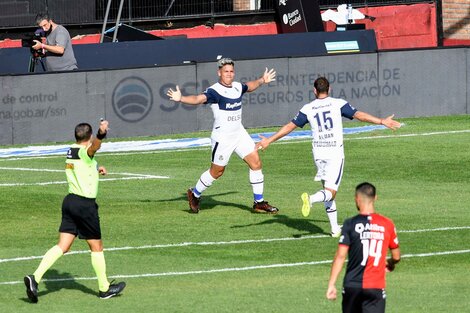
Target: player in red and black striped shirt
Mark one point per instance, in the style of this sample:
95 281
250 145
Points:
365 240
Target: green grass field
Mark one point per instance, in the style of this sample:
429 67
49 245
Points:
421 172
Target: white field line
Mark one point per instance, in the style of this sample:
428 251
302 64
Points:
26 169
138 175
30 169
412 135
61 171
235 269
131 176
189 149
33 184
282 142
383 136
220 243
434 229
64 182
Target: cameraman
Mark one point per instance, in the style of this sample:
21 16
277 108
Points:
58 46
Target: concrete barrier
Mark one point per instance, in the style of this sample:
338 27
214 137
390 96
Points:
44 107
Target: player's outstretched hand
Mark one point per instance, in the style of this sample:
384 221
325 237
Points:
331 293
262 144
102 170
391 123
174 95
269 76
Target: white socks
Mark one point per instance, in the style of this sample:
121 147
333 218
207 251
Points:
321 196
330 207
257 183
204 182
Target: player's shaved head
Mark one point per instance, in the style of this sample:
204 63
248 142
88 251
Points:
367 190
83 132
322 85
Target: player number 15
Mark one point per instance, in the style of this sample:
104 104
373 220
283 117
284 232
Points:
325 123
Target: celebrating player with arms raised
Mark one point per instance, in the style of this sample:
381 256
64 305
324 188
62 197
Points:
228 133
325 117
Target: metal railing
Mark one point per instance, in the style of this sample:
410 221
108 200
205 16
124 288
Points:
21 13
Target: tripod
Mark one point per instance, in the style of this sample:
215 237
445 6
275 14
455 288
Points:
34 61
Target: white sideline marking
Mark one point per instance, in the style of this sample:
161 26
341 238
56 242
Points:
64 182
413 135
189 149
234 269
217 243
382 136
61 171
31 169
281 142
434 229
175 245
161 144
131 176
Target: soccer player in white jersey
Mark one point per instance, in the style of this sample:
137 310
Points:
228 133
325 117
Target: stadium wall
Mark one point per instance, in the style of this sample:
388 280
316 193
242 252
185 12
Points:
396 27
42 108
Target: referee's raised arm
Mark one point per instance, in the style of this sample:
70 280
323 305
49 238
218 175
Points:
100 135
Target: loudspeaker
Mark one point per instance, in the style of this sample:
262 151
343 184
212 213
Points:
128 33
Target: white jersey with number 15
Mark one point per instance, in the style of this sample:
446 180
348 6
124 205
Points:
325 118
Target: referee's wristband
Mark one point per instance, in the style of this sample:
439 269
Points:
100 136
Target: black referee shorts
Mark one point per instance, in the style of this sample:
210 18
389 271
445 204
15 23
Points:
359 300
80 217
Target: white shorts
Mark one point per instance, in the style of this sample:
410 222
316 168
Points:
242 144
330 171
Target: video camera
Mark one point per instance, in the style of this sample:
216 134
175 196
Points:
28 42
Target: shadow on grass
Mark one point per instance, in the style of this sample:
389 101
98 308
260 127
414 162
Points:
299 224
209 202
59 281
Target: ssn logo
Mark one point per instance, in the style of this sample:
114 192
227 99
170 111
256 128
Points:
132 99
186 89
